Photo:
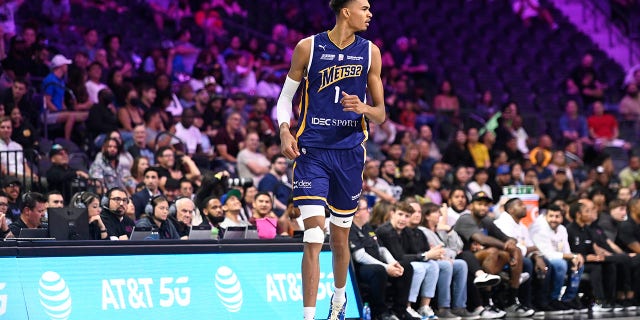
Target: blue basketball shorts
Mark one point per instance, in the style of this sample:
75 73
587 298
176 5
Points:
331 177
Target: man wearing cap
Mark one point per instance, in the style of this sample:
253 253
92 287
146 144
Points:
53 87
503 178
493 248
11 187
559 188
231 205
60 175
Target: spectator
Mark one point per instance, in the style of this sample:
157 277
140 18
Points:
630 104
169 167
17 96
156 215
629 239
544 150
114 205
456 154
559 188
212 210
151 189
12 160
603 128
376 266
139 147
263 217
559 161
478 150
54 199
493 249
630 175
24 134
188 133
574 126
375 188
32 210
230 140
102 117
551 238
252 164
60 176
116 58
11 186
106 166
94 83
231 205
479 183
182 219
486 107
54 89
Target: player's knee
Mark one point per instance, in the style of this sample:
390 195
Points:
313 235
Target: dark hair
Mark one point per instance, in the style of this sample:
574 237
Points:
554 207
31 199
52 192
154 202
276 157
151 169
337 5
429 208
264 193
403 206
509 204
574 209
161 150
616 203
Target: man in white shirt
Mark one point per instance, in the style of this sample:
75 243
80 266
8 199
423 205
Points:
93 84
187 132
509 223
552 239
251 162
12 160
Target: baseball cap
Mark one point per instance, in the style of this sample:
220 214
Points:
59 60
56 149
10 180
503 169
230 193
481 196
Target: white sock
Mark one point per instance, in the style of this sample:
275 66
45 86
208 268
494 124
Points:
309 313
339 295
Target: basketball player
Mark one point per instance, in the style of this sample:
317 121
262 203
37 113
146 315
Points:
339 67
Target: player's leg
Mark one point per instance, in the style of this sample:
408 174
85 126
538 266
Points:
313 239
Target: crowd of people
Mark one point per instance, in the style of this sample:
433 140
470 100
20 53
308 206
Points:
187 136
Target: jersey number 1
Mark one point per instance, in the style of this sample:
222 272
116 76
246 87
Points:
337 99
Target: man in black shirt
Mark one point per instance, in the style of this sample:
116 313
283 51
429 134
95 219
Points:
114 205
629 240
33 207
376 266
61 175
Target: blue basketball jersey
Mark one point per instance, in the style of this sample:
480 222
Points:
331 71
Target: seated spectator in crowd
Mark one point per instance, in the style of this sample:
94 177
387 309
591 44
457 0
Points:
630 104
11 186
60 175
156 215
277 182
102 117
232 205
399 240
411 185
629 240
479 182
140 164
12 160
456 154
559 188
4 219
91 202
54 89
252 164
433 190
151 189
188 133
502 179
230 139
494 250
169 168
574 126
609 221
544 149
171 189
452 279
509 222
630 175
94 83
211 208
17 96
24 134
263 217
375 187
140 147
114 205
552 239
186 189
32 210
603 128
106 166
54 199
377 267
478 150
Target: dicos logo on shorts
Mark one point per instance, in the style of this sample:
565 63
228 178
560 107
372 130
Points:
229 289
55 296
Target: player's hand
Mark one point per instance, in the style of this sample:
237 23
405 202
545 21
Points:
352 103
288 144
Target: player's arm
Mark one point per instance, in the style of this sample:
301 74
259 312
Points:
299 62
375 113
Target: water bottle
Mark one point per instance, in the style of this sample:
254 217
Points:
366 312
575 279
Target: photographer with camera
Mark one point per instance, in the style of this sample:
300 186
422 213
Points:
171 165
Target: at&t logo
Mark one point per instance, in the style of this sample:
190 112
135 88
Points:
229 289
55 296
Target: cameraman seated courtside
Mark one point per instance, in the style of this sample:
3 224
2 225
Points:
377 267
91 202
155 216
32 209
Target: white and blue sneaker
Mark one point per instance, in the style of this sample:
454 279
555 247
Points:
337 312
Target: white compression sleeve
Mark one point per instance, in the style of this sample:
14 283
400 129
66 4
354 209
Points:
284 106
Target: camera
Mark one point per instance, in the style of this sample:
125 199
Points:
240 182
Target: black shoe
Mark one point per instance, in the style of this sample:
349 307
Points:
576 305
561 307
